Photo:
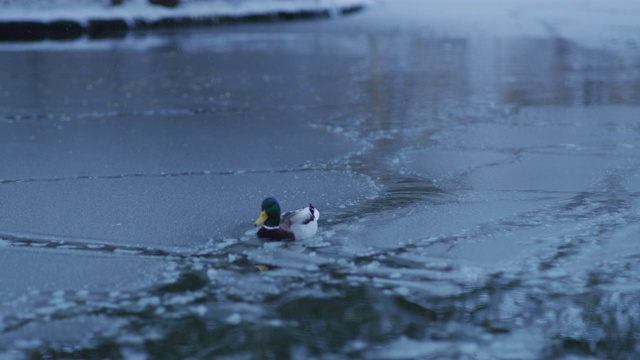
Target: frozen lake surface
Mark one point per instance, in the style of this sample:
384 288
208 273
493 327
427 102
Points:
477 167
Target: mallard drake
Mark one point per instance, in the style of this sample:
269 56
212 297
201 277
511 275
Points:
293 225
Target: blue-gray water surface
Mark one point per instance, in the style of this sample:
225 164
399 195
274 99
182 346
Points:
479 193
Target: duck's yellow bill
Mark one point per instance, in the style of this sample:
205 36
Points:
263 217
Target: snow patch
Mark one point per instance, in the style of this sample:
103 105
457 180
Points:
133 10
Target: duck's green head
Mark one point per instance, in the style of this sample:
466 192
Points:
270 214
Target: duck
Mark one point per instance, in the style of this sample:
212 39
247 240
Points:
292 225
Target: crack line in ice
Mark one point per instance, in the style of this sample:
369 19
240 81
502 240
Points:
50 243
207 253
116 114
304 168
61 117
54 243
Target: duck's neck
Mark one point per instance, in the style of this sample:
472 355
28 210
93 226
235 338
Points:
278 233
273 220
271 227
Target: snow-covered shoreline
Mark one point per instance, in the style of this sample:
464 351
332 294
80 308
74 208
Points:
63 20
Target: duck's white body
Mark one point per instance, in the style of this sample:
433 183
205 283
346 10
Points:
302 223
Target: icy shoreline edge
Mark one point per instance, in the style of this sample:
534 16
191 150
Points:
115 24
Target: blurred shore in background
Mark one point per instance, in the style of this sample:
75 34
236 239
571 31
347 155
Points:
34 20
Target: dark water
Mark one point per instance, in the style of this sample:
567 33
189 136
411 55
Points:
479 194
